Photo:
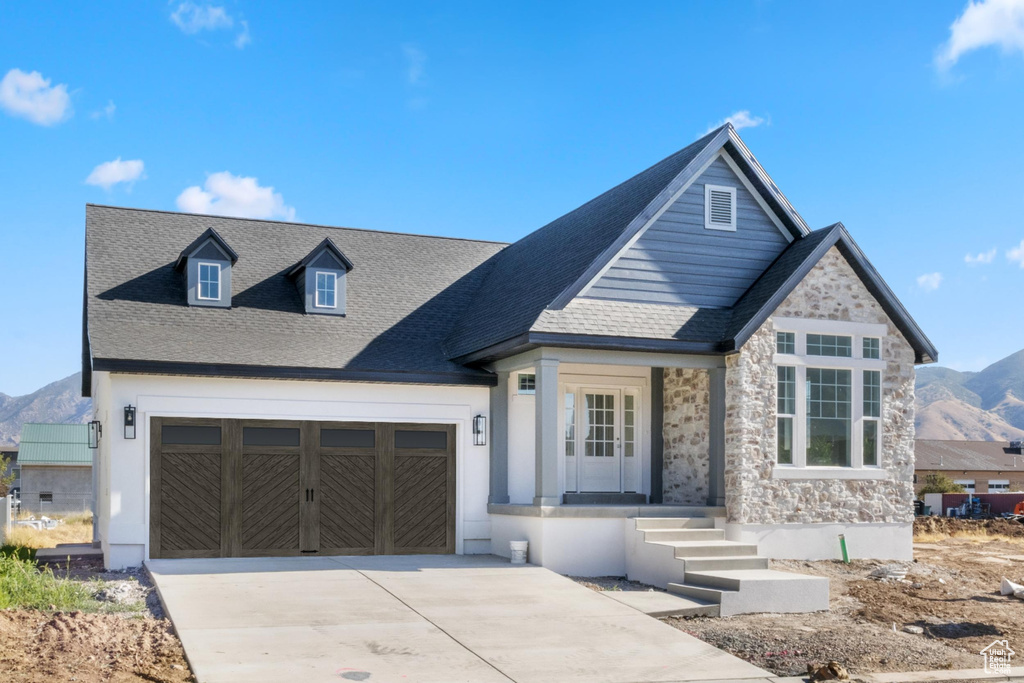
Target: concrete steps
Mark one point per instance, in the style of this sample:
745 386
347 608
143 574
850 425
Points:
741 591
660 604
692 559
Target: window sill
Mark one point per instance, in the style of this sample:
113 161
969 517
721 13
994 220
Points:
788 472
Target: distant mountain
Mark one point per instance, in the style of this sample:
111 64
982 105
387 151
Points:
59 402
986 405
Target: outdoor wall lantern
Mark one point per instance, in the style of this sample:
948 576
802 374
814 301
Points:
95 430
479 430
129 421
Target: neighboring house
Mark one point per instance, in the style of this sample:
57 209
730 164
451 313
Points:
978 466
10 455
681 346
56 468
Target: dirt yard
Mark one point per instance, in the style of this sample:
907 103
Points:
128 640
949 600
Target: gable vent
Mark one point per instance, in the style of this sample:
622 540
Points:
719 207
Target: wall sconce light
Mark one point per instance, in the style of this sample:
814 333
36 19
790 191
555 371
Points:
95 431
479 430
129 421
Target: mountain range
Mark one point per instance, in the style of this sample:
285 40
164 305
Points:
975 406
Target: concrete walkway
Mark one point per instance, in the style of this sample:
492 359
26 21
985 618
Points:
429 618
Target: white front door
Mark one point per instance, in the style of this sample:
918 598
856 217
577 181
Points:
600 466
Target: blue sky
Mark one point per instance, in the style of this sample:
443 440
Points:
485 121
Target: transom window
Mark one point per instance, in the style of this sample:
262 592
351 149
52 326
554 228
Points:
527 383
829 395
785 342
872 347
326 290
209 281
829 345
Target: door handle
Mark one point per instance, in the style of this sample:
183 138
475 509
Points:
312 495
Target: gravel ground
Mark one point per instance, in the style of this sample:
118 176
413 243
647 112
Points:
939 617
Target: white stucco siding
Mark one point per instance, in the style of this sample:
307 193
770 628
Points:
124 471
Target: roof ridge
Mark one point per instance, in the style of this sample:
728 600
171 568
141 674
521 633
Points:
294 223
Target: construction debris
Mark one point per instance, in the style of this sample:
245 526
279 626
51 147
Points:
833 671
890 572
1010 588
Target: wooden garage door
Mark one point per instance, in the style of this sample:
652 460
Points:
228 488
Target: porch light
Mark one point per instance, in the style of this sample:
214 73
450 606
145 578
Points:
479 430
129 421
95 431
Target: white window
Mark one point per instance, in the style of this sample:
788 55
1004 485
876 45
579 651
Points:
326 290
968 484
872 347
719 207
829 400
527 383
209 281
997 485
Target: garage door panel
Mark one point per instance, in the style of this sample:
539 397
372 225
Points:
347 509
190 502
270 504
421 500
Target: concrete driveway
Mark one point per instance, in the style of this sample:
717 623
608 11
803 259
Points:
442 618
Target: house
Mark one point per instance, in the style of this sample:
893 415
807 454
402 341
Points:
677 377
56 468
978 466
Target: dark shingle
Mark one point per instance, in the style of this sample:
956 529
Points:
402 298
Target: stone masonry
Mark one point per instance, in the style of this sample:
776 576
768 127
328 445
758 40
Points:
686 424
831 291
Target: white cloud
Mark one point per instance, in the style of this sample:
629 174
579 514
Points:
981 258
243 38
929 282
416 60
110 173
107 111
192 18
31 97
1016 254
226 194
739 120
983 24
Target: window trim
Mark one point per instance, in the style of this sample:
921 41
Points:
856 364
316 294
708 224
199 281
519 384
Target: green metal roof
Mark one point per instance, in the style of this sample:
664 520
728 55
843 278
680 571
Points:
54 444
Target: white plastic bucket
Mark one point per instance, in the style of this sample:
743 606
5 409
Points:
518 549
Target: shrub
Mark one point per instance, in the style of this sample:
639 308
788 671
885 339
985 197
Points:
939 483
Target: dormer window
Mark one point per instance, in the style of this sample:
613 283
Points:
320 279
326 289
206 266
209 281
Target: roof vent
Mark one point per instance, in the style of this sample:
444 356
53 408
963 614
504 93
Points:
719 207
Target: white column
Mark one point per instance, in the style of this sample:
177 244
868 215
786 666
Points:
546 402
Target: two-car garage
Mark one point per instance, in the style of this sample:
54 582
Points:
250 488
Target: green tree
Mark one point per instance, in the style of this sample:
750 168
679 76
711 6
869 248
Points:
939 483
6 476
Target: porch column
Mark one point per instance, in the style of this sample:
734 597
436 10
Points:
546 402
499 441
657 435
716 437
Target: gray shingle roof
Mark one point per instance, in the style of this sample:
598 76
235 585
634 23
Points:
403 297
533 271
993 456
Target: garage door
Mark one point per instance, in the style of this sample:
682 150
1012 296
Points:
253 488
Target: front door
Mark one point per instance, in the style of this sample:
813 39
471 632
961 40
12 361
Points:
600 466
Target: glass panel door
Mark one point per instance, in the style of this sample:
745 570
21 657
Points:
600 469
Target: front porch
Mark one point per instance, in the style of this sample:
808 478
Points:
591 427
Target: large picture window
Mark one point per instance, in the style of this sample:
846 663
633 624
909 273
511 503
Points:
829 397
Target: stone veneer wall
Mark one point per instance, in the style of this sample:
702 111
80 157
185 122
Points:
686 426
831 291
